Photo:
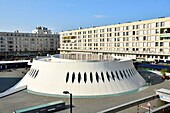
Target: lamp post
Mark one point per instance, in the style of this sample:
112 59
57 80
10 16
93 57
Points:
67 92
149 106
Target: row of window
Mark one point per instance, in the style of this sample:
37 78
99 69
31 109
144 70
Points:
112 40
123 28
119 75
33 73
143 32
28 34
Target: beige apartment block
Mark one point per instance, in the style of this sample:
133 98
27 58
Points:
147 40
16 44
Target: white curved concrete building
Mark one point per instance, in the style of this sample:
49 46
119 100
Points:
52 76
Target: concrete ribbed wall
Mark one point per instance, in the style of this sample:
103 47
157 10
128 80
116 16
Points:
54 77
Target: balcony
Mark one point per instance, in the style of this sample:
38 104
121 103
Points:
165 34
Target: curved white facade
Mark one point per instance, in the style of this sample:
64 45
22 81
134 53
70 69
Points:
52 76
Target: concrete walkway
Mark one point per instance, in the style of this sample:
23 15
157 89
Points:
81 105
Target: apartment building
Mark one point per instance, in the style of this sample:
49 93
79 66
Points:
16 44
147 40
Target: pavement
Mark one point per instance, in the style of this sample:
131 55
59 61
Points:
24 99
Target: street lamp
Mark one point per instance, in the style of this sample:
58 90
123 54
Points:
67 92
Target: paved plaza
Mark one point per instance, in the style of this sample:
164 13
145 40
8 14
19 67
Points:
24 99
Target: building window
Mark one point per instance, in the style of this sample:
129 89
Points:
133 26
144 26
132 72
137 32
91 77
79 77
161 50
102 75
97 77
85 77
137 26
123 33
33 72
30 71
115 28
123 38
162 24
156 43
127 28
108 76
121 74
137 38
135 71
161 44
157 24
124 73
166 57
117 75
118 34
36 73
113 76
128 73
156 31
123 28
67 77
133 32
127 33
148 25
114 39
144 37
73 77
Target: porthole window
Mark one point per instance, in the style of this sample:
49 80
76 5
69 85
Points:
121 74
134 71
117 75
113 76
85 77
102 75
79 77
108 76
91 77
29 72
32 74
97 77
67 77
125 74
36 73
73 77
128 73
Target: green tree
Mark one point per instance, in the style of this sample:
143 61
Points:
163 71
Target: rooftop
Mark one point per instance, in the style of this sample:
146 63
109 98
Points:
79 58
